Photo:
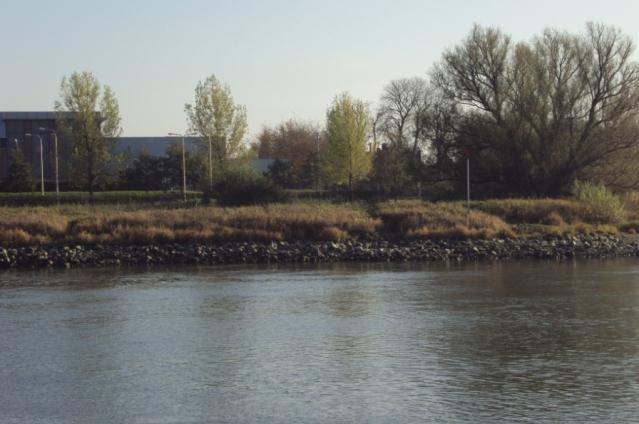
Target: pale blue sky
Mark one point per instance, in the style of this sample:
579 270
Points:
283 59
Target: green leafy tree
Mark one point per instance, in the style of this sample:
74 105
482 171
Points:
89 116
19 176
171 168
347 158
220 124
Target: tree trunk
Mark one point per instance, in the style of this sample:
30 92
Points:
350 187
90 177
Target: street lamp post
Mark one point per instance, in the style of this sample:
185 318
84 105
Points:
57 174
41 161
183 165
15 140
317 163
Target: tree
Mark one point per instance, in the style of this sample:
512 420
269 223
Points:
144 173
171 168
220 124
281 173
402 103
390 173
91 123
292 141
440 124
550 111
149 172
347 158
19 175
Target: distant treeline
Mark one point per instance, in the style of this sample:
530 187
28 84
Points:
533 117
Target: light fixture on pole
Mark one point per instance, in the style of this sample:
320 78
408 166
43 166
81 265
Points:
57 174
41 161
15 140
183 164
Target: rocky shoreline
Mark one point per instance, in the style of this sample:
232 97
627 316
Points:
584 246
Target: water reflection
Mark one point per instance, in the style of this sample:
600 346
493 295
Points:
543 341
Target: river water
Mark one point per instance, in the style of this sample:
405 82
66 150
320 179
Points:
511 342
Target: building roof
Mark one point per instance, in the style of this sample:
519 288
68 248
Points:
154 146
43 116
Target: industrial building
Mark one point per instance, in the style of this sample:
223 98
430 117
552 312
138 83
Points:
14 127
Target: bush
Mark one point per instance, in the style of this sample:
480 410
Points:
245 188
603 206
19 176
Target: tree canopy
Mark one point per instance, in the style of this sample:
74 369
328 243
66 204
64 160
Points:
543 113
89 116
347 158
219 123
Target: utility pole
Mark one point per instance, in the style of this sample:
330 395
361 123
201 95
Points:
468 152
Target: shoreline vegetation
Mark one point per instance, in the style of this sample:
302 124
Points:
313 231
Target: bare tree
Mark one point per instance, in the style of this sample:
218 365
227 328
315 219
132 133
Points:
401 104
559 106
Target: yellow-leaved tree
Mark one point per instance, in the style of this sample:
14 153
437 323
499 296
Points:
348 157
219 123
89 117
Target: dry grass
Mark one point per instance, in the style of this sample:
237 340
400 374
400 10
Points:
631 203
417 219
630 227
121 226
131 224
537 211
556 212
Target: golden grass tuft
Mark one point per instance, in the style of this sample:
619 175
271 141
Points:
333 234
631 203
630 227
548 211
417 219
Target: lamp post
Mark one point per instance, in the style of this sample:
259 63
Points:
317 163
15 140
41 161
183 164
57 174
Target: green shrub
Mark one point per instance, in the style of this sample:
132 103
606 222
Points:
604 206
19 175
246 188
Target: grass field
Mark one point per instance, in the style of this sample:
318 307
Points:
130 224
